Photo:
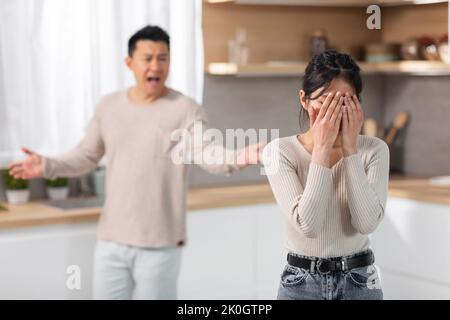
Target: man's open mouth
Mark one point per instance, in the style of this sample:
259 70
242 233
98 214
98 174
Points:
153 80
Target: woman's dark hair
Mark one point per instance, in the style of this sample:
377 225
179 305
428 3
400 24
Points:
153 33
322 69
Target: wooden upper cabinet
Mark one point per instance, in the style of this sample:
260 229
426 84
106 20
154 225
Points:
329 3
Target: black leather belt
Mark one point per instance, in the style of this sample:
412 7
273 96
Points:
326 266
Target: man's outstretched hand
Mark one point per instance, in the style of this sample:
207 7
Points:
250 155
31 167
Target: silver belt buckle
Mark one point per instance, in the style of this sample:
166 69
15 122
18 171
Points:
319 263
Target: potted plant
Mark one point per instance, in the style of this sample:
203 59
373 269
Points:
57 189
3 208
17 191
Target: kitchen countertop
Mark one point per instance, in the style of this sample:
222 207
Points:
37 213
419 189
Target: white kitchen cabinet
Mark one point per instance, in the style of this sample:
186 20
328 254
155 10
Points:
231 253
412 247
406 287
217 261
270 251
234 253
34 261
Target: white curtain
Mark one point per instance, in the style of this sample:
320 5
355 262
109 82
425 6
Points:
58 57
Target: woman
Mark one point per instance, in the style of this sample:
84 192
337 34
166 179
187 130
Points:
331 184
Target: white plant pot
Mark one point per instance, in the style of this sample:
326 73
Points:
99 181
18 196
59 193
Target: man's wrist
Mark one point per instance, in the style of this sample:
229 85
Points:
241 159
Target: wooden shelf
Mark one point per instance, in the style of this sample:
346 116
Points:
329 3
423 68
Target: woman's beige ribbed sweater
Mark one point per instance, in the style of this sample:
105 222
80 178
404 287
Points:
328 212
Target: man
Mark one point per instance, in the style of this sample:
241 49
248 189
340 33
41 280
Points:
142 226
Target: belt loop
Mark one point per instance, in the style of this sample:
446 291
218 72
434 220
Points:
344 264
312 266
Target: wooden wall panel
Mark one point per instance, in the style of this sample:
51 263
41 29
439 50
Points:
401 23
281 32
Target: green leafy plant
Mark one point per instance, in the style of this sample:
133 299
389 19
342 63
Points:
3 208
57 183
13 183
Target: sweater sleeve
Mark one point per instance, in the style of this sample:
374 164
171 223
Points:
81 159
367 188
304 206
206 146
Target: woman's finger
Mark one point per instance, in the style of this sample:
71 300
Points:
339 118
356 101
351 102
358 107
333 104
350 112
337 110
325 105
345 118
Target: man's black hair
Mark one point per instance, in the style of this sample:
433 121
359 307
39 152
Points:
153 33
